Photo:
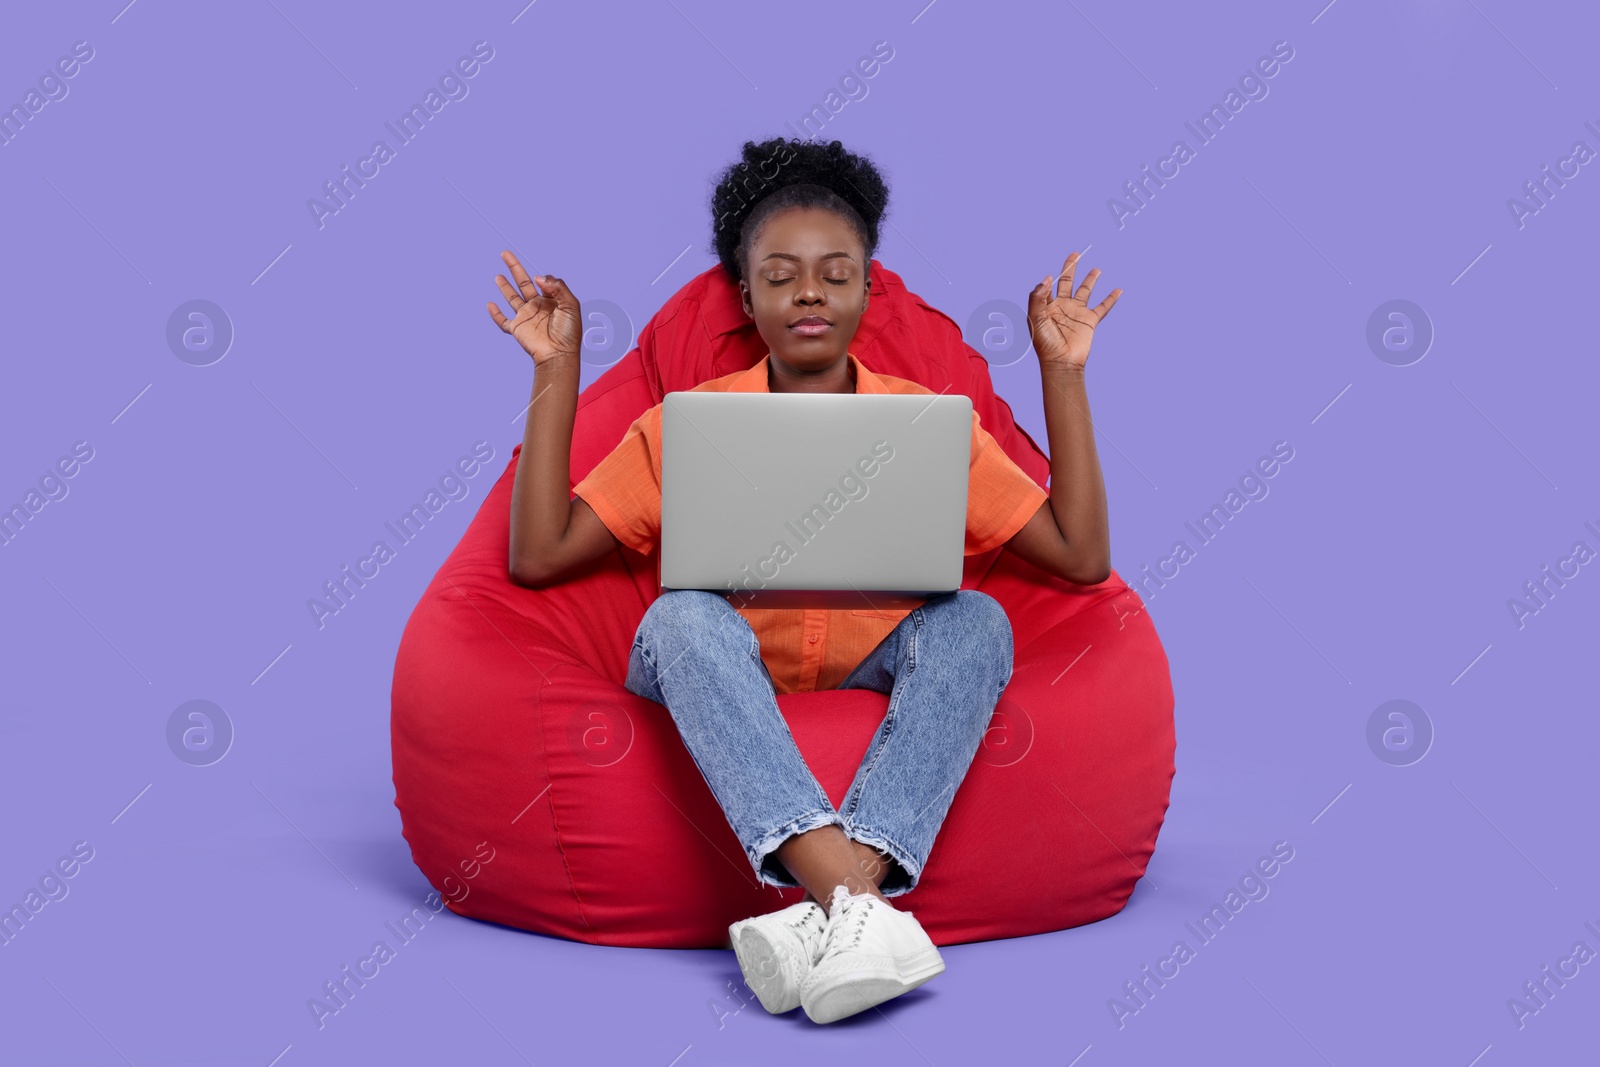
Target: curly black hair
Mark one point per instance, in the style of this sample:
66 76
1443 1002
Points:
778 174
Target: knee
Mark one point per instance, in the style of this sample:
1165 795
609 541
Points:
983 618
978 627
697 614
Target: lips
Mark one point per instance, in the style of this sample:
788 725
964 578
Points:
811 326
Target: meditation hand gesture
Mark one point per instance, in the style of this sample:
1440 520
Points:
1063 327
548 323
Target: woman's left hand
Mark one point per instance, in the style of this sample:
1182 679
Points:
1063 326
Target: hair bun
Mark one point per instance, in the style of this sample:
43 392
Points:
813 173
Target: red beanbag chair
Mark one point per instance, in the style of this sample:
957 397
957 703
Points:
514 738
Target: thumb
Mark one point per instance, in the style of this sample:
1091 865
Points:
557 290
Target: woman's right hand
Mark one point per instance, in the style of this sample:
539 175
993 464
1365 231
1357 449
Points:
547 320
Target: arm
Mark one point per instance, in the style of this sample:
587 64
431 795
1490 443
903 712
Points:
551 534
1069 536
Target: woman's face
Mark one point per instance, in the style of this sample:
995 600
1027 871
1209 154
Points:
806 265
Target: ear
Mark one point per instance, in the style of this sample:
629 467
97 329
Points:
744 300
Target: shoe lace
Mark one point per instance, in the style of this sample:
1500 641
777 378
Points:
809 928
846 919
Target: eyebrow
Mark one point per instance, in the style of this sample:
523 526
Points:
791 255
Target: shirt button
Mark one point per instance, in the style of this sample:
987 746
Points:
812 639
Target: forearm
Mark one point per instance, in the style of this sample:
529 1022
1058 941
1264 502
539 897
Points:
1077 488
541 504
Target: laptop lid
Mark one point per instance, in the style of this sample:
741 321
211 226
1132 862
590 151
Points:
814 499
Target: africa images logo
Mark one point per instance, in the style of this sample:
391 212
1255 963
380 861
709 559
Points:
339 591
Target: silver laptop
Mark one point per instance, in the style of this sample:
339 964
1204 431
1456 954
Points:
833 500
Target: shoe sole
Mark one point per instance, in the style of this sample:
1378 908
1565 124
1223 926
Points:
763 970
852 997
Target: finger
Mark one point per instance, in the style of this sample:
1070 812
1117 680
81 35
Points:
1088 285
525 283
1105 306
1064 286
1038 300
515 264
513 297
499 317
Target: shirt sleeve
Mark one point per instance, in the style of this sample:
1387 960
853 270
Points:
1001 496
624 489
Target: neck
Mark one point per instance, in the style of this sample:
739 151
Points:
838 377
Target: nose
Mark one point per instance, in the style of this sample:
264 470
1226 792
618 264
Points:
808 292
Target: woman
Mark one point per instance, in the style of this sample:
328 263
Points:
797 226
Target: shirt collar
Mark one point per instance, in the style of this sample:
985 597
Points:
754 380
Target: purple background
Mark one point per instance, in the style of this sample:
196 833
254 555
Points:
1419 500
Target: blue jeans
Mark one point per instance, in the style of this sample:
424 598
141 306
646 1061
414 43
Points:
944 667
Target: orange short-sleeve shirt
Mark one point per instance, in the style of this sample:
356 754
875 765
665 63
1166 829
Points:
806 649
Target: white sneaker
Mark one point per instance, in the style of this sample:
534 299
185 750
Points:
776 952
871 953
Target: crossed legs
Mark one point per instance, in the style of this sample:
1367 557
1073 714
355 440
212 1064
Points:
825 857
944 667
